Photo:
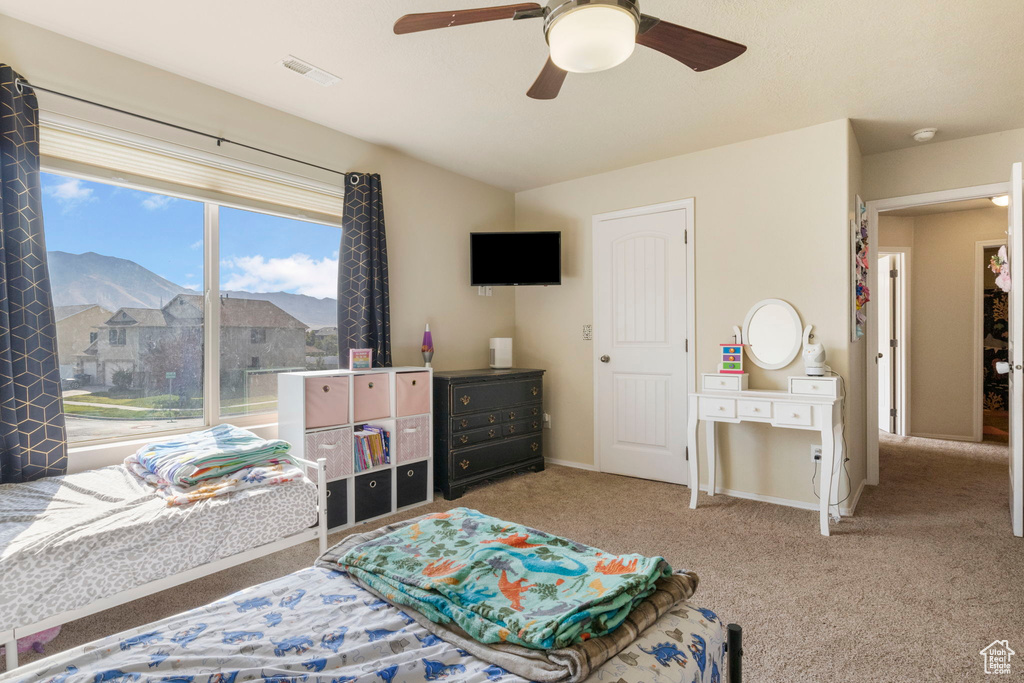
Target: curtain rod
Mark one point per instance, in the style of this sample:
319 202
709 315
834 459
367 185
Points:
21 83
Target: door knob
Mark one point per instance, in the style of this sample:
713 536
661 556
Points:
606 359
881 355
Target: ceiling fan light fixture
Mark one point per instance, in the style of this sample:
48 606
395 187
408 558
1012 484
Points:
592 37
1001 200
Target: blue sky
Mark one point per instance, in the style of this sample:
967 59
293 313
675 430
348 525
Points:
259 253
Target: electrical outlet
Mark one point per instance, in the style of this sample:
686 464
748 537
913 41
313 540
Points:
547 421
483 291
588 332
816 453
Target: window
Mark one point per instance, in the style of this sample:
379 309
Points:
278 280
127 268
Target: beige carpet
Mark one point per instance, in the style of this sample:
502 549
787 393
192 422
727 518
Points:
911 588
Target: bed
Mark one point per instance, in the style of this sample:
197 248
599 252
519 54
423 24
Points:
77 544
319 624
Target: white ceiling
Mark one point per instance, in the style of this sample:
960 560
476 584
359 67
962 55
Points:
456 97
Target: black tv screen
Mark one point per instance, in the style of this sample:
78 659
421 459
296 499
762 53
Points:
515 258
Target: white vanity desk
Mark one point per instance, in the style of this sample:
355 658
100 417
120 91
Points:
820 413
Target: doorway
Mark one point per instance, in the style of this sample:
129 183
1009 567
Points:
643 354
892 297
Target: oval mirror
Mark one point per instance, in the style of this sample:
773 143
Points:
772 333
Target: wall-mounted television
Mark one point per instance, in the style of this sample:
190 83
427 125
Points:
515 258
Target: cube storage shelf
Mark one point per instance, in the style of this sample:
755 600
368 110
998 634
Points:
319 413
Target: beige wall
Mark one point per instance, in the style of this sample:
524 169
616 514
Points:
430 211
772 219
943 328
967 162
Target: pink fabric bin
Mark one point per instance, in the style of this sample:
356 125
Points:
412 391
326 401
371 396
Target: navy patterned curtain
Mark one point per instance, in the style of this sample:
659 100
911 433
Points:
364 313
32 438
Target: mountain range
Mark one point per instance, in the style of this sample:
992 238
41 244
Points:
114 283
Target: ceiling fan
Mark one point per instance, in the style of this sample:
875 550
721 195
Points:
585 36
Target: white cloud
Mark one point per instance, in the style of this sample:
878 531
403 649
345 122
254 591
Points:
298 273
196 245
70 193
193 287
155 202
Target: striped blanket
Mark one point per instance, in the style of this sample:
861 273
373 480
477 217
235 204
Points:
209 454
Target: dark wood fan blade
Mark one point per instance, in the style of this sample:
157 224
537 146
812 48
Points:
549 83
699 51
411 23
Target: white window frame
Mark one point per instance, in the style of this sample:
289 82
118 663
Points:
104 451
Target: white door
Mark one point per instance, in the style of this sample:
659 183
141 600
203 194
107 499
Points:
642 314
883 296
1015 255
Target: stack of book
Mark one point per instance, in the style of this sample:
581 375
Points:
372 447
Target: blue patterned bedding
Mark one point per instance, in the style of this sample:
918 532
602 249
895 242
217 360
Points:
316 625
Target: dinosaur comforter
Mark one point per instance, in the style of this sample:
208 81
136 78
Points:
544 607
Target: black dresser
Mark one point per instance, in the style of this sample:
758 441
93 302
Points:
486 423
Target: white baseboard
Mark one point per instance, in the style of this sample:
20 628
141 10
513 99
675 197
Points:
846 511
945 437
570 463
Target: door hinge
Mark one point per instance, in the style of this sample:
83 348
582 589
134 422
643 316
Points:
892 412
686 345
686 236
894 273
687 451
894 343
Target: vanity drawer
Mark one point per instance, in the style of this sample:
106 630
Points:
712 408
794 414
461 424
814 386
326 401
371 396
723 382
412 393
336 446
750 408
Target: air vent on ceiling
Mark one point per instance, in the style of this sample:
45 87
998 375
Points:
311 72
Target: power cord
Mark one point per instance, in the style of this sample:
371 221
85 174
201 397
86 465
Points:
814 472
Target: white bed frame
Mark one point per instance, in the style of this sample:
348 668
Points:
9 638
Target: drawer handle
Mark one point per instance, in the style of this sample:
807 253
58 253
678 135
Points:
410 473
511 429
535 425
464 423
722 408
796 414
373 484
512 415
491 433
370 385
465 400
757 410
414 382
536 411
534 391
534 446
464 439
464 464
491 419
328 493
326 388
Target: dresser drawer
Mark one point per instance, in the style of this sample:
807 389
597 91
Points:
472 398
461 424
519 427
413 438
337 503
723 382
336 446
373 494
412 393
476 436
814 386
411 485
716 408
794 414
326 401
523 412
371 397
494 456
751 408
